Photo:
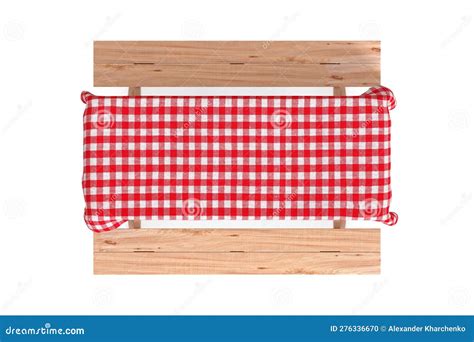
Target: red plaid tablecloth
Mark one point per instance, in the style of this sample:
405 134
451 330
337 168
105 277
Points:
237 157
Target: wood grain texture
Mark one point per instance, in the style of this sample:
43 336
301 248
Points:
224 63
241 240
236 75
232 251
225 52
237 263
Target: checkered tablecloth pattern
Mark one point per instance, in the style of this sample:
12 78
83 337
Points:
237 157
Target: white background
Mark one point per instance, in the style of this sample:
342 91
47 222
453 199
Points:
46 249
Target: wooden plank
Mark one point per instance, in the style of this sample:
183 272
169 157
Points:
238 240
239 75
249 52
237 251
237 263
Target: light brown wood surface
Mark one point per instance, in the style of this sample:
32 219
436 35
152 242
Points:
238 240
252 52
236 75
228 251
237 263
224 63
